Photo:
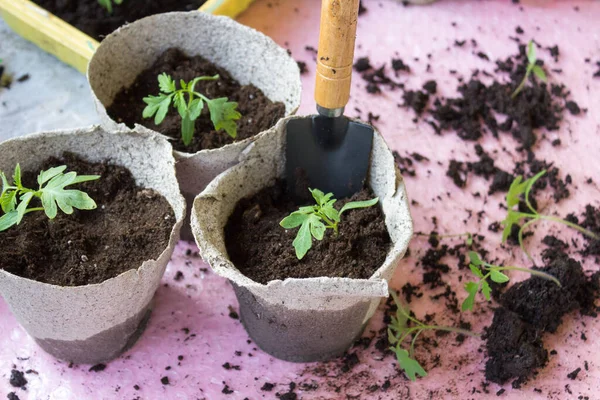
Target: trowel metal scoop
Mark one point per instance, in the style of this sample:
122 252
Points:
328 150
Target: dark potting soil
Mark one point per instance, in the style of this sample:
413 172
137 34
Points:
515 348
531 308
591 221
258 112
130 225
90 17
262 250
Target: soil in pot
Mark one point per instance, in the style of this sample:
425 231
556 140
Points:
262 250
90 17
258 112
130 225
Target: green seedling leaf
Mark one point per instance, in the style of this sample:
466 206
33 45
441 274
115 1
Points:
7 220
315 220
498 276
469 241
17 176
317 228
486 290
187 129
476 271
359 204
196 109
45 176
539 72
166 83
474 257
15 199
472 288
517 188
223 113
531 57
303 241
511 219
293 220
410 366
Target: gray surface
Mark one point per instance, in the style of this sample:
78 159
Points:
55 97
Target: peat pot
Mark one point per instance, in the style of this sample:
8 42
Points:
301 320
248 55
97 322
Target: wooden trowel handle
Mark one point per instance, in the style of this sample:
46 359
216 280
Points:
336 52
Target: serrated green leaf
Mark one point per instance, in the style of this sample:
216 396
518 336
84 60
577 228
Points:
531 56
359 204
187 129
223 115
512 218
476 271
539 72
317 195
472 288
8 201
7 220
162 110
498 276
317 228
22 207
5 184
154 104
306 209
196 109
410 366
84 178
474 257
486 290
70 199
517 188
184 86
55 196
180 103
293 220
303 241
331 212
166 83
45 176
17 176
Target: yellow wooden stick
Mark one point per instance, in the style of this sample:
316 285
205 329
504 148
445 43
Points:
66 42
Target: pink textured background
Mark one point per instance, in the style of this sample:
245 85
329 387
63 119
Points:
200 301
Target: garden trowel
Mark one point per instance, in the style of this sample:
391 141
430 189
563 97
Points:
328 151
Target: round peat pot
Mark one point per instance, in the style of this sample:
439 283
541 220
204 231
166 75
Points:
311 319
97 322
248 55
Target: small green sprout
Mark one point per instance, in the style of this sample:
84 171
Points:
314 220
517 188
15 198
399 329
223 113
531 67
108 4
493 272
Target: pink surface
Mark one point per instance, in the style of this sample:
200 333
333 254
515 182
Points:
200 301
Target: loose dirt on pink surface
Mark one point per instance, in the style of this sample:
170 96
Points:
195 310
